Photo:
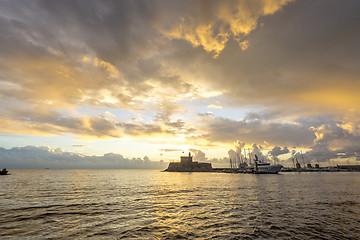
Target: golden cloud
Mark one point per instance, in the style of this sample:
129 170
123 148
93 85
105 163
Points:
228 21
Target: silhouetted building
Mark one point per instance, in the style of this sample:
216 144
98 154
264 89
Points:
186 159
186 164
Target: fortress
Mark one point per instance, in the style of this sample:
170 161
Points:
186 164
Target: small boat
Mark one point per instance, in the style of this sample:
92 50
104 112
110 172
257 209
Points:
264 168
4 172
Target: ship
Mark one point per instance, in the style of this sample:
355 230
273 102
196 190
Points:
187 164
263 167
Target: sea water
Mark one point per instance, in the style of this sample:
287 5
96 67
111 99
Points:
150 204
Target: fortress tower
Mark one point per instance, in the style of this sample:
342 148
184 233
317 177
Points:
186 164
186 159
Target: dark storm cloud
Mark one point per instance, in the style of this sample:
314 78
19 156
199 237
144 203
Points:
299 62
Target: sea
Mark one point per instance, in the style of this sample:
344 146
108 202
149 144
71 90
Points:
150 204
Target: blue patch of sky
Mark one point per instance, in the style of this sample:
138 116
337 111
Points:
147 116
124 115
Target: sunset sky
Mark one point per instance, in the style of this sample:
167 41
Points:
156 78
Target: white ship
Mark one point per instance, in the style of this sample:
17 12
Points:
261 167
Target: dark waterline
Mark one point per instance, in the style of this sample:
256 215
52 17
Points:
150 204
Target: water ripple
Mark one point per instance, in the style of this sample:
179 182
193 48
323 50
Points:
63 204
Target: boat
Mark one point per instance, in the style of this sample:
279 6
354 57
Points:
264 167
4 172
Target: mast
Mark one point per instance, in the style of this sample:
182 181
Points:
302 156
256 164
235 162
245 155
297 164
249 155
293 162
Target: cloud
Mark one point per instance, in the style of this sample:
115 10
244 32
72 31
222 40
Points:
214 106
274 68
43 121
334 141
170 150
293 64
217 129
32 157
211 24
276 151
238 152
300 71
66 62
199 155
247 154
140 129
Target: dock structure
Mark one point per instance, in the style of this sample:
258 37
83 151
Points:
317 168
187 164
349 167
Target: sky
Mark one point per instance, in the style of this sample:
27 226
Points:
110 83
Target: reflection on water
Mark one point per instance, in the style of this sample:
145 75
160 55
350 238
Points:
152 204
